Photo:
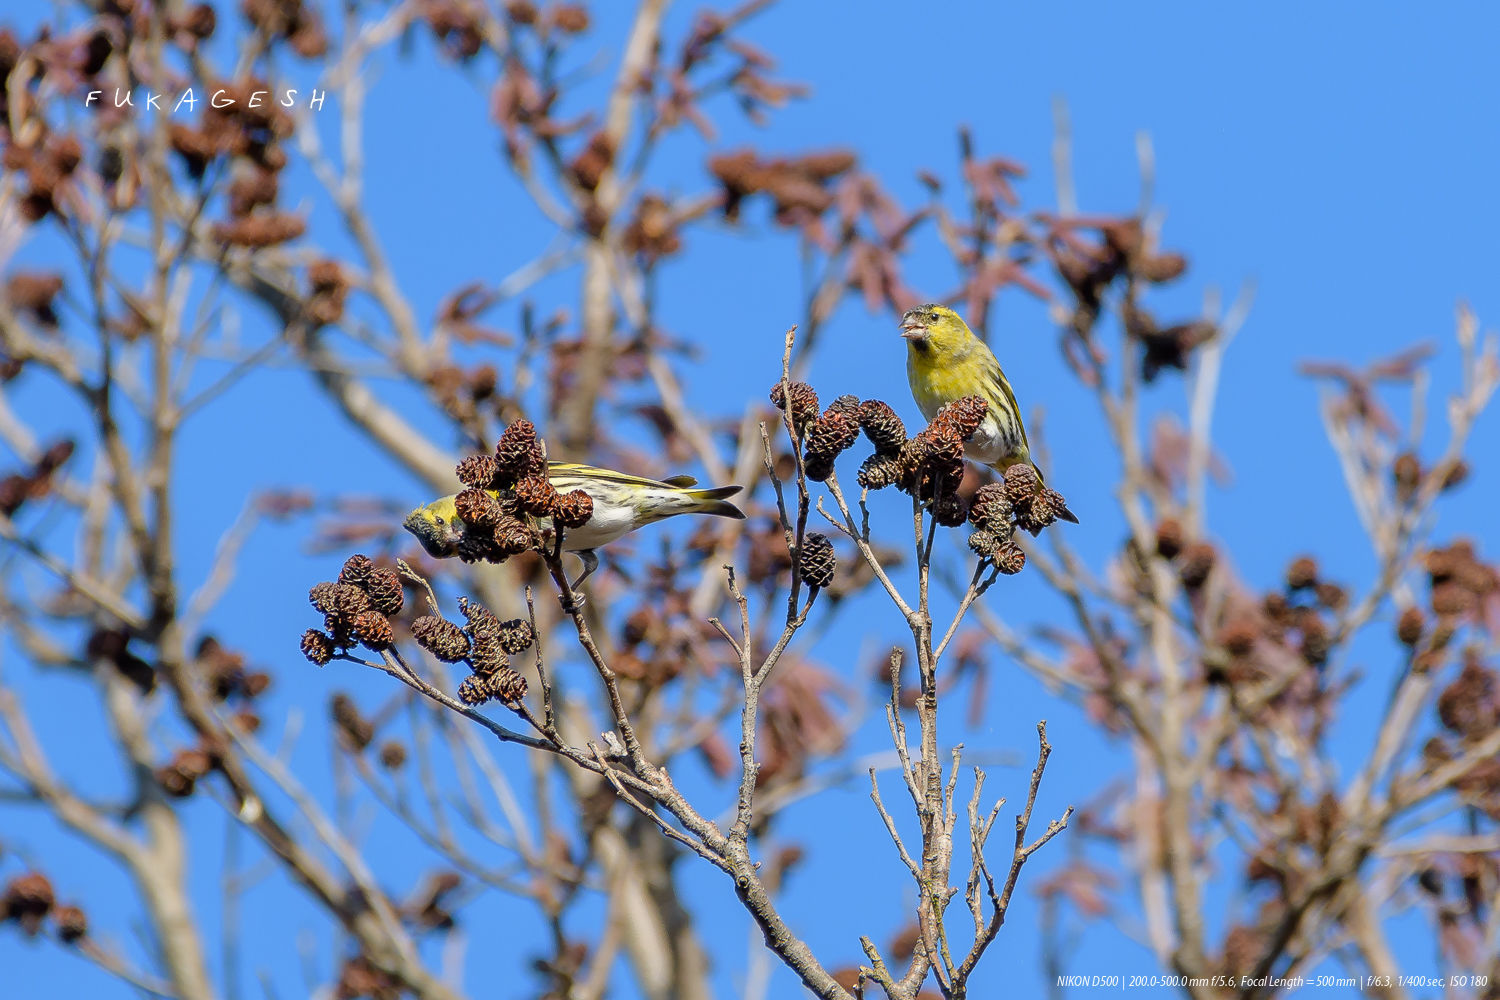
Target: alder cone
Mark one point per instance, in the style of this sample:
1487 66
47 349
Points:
537 496
356 568
507 684
373 630
477 471
441 638
519 453
879 471
804 405
963 415
574 509
990 508
317 647
881 425
383 586
818 562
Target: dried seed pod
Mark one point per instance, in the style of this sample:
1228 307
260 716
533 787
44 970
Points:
1278 609
383 586
337 627
487 656
507 685
932 462
321 596
441 638
1302 574
1197 562
477 509
963 415
1169 538
1406 471
477 471
516 635
317 646
1010 559
1454 475
950 510
1316 643
1410 625
804 403
1021 485
1450 599
990 508
574 509
985 544
506 498
819 468
356 568
1125 236
881 425
473 690
356 730
1040 512
519 453
1238 637
27 900
847 404
537 496
373 630
392 755
512 537
1332 596
338 598
482 620
339 603
479 546
829 435
175 783
72 924
817 562
879 471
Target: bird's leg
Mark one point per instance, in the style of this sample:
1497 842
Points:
590 563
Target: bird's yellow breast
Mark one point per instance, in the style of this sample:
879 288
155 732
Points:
937 378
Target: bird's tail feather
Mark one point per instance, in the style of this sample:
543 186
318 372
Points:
713 501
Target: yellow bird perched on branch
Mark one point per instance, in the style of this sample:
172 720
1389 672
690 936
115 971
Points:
945 362
621 503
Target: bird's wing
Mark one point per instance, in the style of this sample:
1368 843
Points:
997 385
576 470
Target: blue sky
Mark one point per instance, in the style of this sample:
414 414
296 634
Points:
1341 157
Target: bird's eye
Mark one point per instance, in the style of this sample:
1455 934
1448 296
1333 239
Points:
932 317
439 520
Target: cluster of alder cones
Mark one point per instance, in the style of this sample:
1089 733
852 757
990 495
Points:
503 490
356 609
486 644
928 466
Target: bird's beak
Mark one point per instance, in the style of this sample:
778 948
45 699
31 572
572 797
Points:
913 329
